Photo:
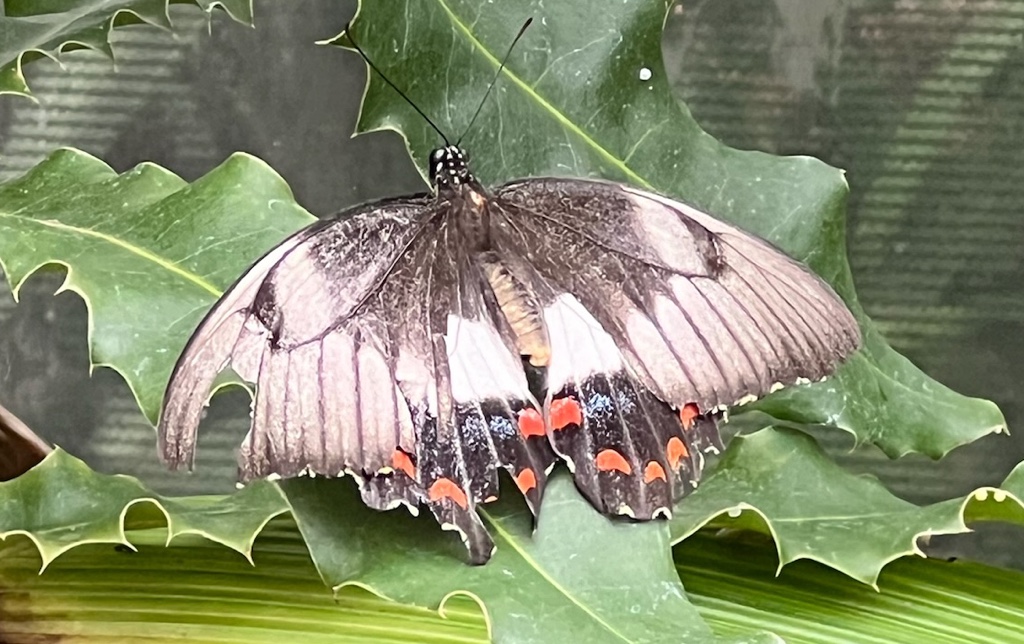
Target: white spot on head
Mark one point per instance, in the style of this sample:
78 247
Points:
645 74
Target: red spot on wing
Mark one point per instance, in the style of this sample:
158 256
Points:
526 480
609 459
676 451
688 414
653 471
530 423
564 412
401 461
447 489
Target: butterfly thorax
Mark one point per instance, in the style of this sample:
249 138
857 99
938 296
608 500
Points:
467 200
470 206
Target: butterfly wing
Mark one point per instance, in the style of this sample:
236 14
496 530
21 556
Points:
376 352
659 316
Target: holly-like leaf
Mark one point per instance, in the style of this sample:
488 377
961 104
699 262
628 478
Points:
779 481
608 580
166 593
580 577
61 504
31 29
585 94
148 252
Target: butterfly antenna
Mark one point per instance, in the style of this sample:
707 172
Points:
504 60
355 45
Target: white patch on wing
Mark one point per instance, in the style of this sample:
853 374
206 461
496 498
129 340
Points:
665 376
579 345
415 380
707 380
672 241
481 365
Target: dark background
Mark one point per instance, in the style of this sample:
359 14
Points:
919 100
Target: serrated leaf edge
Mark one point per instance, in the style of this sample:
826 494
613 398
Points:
55 53
440 610
48 555
69 284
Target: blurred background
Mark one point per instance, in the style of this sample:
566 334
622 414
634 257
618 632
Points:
920 101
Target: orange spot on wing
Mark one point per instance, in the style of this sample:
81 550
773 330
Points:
676 451
526 480
609 459
530 423
688 414
447 489
401 461
653 471
564 412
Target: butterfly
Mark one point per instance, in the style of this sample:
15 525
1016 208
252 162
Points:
422 344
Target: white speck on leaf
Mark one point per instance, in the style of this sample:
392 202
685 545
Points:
645 74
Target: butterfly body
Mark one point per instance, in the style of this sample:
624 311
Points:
422 344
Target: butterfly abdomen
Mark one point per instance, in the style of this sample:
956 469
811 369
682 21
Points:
520 308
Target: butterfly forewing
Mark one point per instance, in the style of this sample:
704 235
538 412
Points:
705 313
376 351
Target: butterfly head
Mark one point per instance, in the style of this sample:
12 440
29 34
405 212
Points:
448 168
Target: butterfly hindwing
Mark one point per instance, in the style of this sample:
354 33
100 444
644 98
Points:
626 447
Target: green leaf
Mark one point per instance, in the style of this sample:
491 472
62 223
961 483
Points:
561 584
61 504
573 101
731 581
32 29
196 591
578 571
779 481
148 252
